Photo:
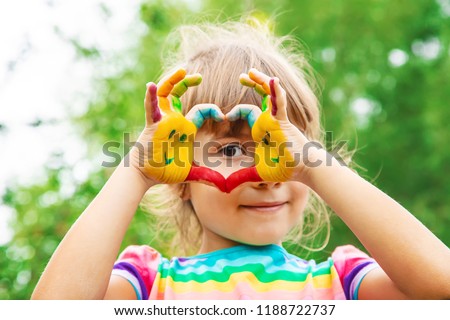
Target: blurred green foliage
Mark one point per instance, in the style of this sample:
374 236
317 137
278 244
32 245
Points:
383 66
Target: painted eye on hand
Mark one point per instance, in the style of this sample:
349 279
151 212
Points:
232 150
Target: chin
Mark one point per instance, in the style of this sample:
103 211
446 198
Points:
261 241
265 235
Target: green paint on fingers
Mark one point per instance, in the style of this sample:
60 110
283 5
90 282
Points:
264 103
176 103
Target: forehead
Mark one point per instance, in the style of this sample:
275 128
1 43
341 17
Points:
226 129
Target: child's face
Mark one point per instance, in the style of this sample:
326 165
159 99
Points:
255 213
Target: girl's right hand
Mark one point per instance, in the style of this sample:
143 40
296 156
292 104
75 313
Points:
163 152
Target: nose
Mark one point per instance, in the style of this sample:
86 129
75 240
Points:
266 185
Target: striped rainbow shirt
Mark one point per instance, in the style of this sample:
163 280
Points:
243 272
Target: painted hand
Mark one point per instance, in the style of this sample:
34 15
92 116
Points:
164 150
278 141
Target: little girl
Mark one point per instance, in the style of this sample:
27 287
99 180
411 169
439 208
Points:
235 161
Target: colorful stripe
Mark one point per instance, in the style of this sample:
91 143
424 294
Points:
244 272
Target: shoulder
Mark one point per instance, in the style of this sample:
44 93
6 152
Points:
349 256
352 265
143 253
143 260
139 266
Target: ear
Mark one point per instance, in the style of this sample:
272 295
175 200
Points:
185 191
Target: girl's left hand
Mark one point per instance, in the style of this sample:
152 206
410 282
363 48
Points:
279 144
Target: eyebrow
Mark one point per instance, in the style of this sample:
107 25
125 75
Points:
231 130
230 135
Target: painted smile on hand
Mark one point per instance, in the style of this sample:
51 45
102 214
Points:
174 134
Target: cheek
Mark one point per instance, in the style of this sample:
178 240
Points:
206 199
300 194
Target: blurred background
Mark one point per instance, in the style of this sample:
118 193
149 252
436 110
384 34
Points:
73 75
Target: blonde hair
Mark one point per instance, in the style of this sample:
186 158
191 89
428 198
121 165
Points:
220 53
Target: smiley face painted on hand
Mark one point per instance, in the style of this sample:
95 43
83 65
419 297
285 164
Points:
273 159
173 137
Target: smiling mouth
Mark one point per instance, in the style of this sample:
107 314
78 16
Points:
265 207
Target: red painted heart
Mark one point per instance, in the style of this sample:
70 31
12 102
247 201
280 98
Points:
210 176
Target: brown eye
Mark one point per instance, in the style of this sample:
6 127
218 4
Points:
232 150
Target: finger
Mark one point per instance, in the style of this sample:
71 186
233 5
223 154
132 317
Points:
247 112
277 99
152 111
202 112
181 87
166 84
278 102
245 80
265 102
260 78
189 81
